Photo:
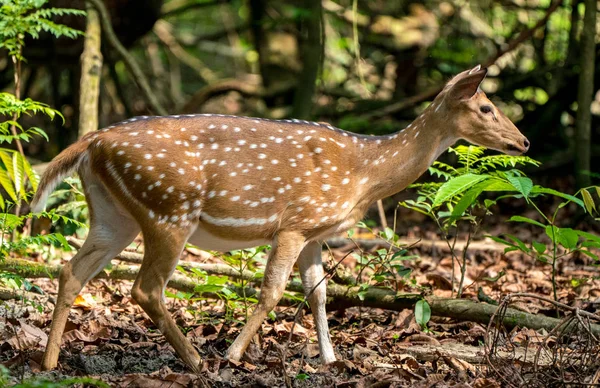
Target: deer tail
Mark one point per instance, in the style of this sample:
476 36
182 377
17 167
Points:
59 168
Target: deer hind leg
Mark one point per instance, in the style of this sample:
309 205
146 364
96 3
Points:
311 269
111 230
162 251
284 253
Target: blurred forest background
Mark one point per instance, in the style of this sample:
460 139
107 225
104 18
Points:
364 66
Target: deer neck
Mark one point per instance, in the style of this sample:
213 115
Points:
393 162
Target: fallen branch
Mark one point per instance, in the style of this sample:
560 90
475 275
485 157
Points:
485 245
211 269
338 296
469 353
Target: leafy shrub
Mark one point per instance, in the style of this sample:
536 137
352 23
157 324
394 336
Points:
458 199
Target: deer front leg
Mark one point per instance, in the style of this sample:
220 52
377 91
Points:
311 269
284 253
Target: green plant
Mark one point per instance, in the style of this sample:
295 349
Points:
5 381
422 314
19 19
564 242
458 199
386 265
234 290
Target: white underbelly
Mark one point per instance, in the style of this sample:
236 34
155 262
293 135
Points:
208 241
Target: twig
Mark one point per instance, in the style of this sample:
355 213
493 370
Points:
381 211
556 303
131 64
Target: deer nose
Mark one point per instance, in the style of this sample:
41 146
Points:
526 144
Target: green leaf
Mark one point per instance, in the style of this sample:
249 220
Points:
590 244
456 186
543 190
422 312
33 178
208 288
588 201
587 236
503 241
302 376
7 184
520 244
566 237
63 242
469 198
499 185
522 184
9 222
388 234
527 220
18 171
590 254
539 247
403 271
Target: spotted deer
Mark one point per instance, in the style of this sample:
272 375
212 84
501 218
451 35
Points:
224 182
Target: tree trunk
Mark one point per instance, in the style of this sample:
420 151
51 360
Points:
311 51
91 74
583 134
257 19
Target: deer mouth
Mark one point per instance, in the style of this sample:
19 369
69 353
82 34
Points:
514 149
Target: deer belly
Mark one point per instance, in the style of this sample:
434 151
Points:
206 240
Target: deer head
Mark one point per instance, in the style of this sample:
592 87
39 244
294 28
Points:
473 117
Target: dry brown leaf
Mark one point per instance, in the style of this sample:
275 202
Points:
78 335
311 350
285 328
85 301
528 336
439 281
174 380
486 383
422 339
361 354
31 334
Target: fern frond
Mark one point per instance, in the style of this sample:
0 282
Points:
493 162
467 156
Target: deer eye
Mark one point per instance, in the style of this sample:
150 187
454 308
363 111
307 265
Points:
485 108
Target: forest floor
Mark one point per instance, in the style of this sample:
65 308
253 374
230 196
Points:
110 338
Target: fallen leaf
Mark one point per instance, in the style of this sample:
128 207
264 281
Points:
85 301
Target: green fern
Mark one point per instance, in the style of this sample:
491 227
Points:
467 155
19 18
462 184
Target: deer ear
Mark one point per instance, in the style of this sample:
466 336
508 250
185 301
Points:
466 84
